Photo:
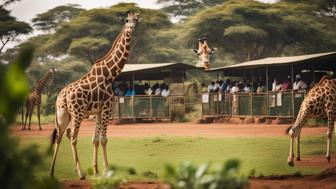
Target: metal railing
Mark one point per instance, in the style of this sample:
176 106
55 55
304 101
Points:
270 104
146 107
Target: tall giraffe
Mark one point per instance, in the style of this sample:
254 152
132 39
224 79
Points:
204 52
320 101
92 95
34 98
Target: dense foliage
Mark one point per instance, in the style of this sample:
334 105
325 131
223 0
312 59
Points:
10 28
189 176
17 164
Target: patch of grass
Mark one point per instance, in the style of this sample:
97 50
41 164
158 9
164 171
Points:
157 140
267 156
44 119
149 174
317 152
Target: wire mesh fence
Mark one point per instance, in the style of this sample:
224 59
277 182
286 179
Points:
282 104
146 107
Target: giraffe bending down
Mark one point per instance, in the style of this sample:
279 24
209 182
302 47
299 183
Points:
34 98
204 52
92 95
320 101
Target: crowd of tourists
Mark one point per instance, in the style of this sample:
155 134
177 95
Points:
123 89
229 86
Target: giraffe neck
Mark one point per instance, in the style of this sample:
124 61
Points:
42 82
110 65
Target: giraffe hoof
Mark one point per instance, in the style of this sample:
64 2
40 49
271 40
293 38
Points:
298 159
290 162
82 177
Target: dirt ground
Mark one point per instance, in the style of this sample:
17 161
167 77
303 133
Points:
176 129
324 180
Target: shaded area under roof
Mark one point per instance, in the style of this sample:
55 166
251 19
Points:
156 71
320 61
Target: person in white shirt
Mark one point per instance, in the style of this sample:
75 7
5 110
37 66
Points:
211 87
165 92
216 87
299 84
235 88
148 91
276 86
157 91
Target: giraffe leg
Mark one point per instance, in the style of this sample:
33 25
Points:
26 117
74 134
103 139
61 122
291 152
38 115
329 137
31 109
95 142
298 156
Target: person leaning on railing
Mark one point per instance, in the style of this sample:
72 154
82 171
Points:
165 91
299 84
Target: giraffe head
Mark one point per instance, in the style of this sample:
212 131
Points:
204 52
53 70
131 20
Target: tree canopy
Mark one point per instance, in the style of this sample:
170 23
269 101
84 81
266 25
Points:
52 18
90 34
10 28
250 30
183 8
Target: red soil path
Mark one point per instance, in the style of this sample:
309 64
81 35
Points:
328 181
177 129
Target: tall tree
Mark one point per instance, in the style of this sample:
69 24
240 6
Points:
52 18
90 34
10 28
183 8
250 30
4 3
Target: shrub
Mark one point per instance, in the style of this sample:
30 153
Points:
189 176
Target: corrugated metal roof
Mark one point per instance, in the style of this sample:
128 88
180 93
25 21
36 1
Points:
141 67
275 60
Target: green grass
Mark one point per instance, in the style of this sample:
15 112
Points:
44 119
267 156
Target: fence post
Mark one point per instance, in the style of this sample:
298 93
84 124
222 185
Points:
251 103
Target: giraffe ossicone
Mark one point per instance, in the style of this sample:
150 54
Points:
92 95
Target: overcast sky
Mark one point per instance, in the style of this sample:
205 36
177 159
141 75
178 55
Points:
25 10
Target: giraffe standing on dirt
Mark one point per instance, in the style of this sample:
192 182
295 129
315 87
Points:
204 52
35 99
92 95
320 101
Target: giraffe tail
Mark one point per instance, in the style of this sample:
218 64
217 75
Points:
288 129
53 136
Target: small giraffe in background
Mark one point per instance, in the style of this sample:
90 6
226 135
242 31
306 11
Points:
204 52
320 101
92 95
34 99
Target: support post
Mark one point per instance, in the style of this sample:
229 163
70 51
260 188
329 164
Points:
293 99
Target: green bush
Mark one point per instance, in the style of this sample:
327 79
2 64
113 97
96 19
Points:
189 176
17 165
